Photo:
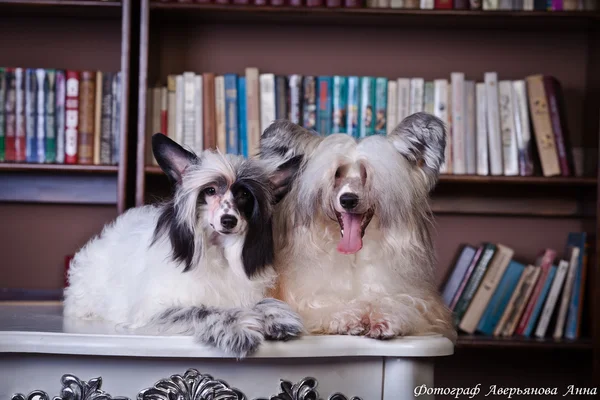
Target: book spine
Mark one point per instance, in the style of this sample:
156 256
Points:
231 111
149 155
540 116
566 295
559 137
463 283
281 97
178 137
367 106
417 87
209 112
493 123
50 109
461 4
220 113
72 117
198 145
482 134
557 5
87 93
521 298
325 105
20 135
295 99
253 110
164 110
10 116
98 117
540 303
2 113
428 105
427 4
242 118
507 127
115 150
189 109
577 296
381 106
31 93
527 5
443 4
458 274
392 106
470 132
475 4
340 104
553 295
440 110
403 99
309 103
267 100
523 134
61 92
106 119
172 104
459 160
353 106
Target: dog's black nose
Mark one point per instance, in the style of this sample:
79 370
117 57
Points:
228 221
349 200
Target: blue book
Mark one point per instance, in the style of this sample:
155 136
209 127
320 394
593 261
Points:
537 308
242 118
353 106
231 111
31 153
367 106
458 273
495 308
324 114
576 239
339 104
380 106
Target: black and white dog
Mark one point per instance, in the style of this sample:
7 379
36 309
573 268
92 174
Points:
199 264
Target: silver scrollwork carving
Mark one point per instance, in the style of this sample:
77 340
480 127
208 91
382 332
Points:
306 389
73 388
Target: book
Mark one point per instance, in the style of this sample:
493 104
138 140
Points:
428 104
220 111
155 120
481 128
20 142
507 128
392 106
188 110
295 93
242 118
209 112
267 100
309 103
339 104
381 96
554 95
10 115
499 300
98 117
522 131
325 105
59 113
179 104
106 119
50 110
198 144
417 87
440 110
40 115
253 111
404 101
172 103
367 106
573 323
281 97
87 97
573 256
470 132
458 273
493 124
72 117
467 276
115 152
553 295
353 106
531 324
231 113
459 160
31 94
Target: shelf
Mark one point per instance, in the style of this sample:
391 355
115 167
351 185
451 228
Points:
83 8
520 180
489 342
72 168
153 170
454 18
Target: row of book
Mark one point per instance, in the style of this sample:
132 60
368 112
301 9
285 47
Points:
59 116
486 5
493 294
488 122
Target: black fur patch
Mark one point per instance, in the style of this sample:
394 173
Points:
171 157
284 177
180 236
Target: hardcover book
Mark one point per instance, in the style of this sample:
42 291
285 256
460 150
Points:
199 128
573 323
72 117
50 109
116 119
417 88
392 106
295 111
242 117
440 110
573 257
10 116
31 93
340 104
493 124
324 115
535 314
20 136
549 306
87 96
209 116
559 124
98 117
267 100
458 273
189 109
507 127
459 160
381 105
220 111
367 106
483 166
523 133
309 103
470 132
253 110
404 100
353 106
231 113
281 97
106 119
61 93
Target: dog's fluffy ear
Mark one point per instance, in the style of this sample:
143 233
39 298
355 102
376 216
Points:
283 139
171 157
421 138
281 180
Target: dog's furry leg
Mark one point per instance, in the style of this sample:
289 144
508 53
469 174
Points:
349 318
281 322
236 331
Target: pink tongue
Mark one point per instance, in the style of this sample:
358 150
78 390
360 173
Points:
351 241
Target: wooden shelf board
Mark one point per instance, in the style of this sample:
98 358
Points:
520 180
62 3
25 167
153 170
61 8
477 341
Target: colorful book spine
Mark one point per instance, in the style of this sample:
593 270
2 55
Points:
572 325
220 110
116 133
281 97
106 119
541 300
231 113
353 123
10 116
61 93
87 96
2 113
507 126
522 130
325 105
340 104
72 117
553 93
463 283
458 273
502 294
381 106
553 295
98 117
20 134
31 115
50 91
295 94
242 118
367 106
41 115
309 104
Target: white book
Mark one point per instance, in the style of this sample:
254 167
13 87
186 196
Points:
189 109
522 131
403 99
459 160
41 115
267 100
253 110
470 131
392 106
440 110
426 4
493 121
428 104
171 114
295 84
490 4
552 298
396 3
566 294
482 135
179 109
199 122
417 88
528 5
220 113
507 128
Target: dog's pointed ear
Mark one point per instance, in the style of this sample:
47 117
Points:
171 157
281 180
421 138
283 139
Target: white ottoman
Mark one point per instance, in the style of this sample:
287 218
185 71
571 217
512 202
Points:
38 350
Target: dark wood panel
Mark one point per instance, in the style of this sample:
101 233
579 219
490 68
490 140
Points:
477 341
124 164
53 188
518 180
140 181
65 8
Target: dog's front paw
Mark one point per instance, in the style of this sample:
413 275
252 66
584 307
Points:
383 326
238 331
280 321
349 322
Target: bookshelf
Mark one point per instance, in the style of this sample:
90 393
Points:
526 212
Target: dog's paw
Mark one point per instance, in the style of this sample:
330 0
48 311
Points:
383 326
238 332
280 321
350 322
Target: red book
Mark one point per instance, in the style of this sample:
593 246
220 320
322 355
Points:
333 3
71 117
443 4
20 136
559 124
314 3
544 261
10 115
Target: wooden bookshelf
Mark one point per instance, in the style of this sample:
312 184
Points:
490 342
59 168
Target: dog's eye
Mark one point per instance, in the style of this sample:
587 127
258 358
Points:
210 191
244 194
